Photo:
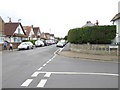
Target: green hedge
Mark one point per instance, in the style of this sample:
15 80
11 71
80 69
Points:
33 41
92 34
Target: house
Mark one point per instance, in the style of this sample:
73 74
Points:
52 37
116 20
47 36
1 30
37 33
29 32
43 36
1 33
88 23
14 32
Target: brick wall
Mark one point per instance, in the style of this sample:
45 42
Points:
15 45
93 49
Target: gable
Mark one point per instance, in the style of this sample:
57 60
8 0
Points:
31 32
19 30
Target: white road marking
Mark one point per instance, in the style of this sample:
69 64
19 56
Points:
40 68
42 83
27 82
44 65
61 49
87 73
50 60
47 61
35 74
56 51
47 74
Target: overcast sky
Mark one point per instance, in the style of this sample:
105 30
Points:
58 16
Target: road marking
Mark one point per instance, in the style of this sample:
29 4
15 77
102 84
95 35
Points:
40 68
27 82
56 51
61 49
35 74
47 74
44 65
42 83
87 73
47 61
50 60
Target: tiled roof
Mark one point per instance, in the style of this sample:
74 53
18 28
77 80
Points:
116 17
88 24
27 29
52 35
11 27
36 30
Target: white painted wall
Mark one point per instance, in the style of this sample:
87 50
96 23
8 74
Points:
119 7
17 30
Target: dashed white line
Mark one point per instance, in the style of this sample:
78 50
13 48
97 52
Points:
44 65
42 83
47 61
47 74
35 74
27 82
40 68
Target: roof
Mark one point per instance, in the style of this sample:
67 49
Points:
88 23
28 29
36 30
116 17
52 35
11 27
42 36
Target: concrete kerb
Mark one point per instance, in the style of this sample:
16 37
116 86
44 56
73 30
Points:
67 53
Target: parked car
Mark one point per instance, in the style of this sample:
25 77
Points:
60 44
39 43
25 45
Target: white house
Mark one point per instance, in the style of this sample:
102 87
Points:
14 32
1 30
116 20
29 32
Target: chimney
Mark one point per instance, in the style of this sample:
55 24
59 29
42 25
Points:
32 26
97 22
9 19
119 7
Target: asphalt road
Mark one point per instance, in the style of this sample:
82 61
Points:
43 68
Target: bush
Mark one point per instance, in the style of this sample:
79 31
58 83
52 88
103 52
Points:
33 41
92 34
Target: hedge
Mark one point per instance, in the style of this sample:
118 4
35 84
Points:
33 41
92 34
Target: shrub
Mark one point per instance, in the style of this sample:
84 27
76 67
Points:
92 34
33 41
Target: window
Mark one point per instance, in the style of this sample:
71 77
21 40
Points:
18 30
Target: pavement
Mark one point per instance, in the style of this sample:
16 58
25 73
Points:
66 52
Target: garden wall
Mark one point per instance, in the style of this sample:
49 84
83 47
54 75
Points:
99 49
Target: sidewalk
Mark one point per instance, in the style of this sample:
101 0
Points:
66 52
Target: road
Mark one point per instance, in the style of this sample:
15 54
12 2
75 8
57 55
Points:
43 68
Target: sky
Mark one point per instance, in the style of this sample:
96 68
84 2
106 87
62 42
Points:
58 16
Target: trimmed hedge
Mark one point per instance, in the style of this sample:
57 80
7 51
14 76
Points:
92 34
33 41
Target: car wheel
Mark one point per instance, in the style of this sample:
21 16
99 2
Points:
27 48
